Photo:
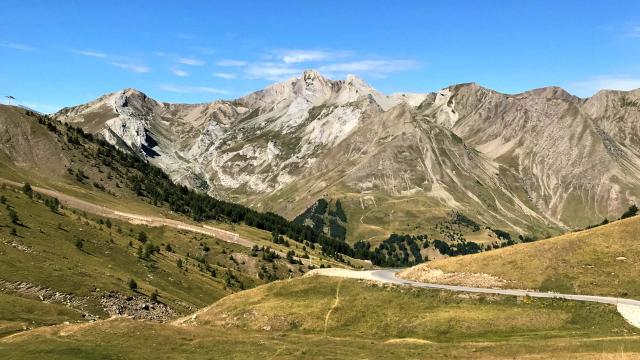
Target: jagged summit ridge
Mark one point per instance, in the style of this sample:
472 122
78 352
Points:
510 159
311 89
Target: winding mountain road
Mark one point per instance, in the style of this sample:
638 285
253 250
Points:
628 308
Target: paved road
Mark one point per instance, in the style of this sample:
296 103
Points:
628 308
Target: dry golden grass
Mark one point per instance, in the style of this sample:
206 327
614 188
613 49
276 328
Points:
369 322
585 262
311 305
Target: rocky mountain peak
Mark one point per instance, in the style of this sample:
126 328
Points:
132 101
318 83
551 92
312 89
311 75
355 81
131 92
312 83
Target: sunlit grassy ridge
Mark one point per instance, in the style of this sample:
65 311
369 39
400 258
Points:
377 312
311 318
599 261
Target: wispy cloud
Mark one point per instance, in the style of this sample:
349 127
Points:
271 71
230 63
192 89
123 62
132 67
604 82
190 61
227 76
633 31
17 46
179 72
41 107
90 53
282 64
204 50
374 67
300 56
211 90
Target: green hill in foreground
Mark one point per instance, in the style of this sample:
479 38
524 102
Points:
59 264
601 261
329 318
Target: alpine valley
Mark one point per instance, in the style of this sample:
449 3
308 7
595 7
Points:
465 162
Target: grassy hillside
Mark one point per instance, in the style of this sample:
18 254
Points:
435 316
54 157
80 264
20 313
599 261
328 318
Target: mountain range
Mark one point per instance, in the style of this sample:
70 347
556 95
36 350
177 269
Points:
539 162
113 259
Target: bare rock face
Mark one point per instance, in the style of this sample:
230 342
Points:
543 158
573 164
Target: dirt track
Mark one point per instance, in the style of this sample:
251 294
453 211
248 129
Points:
75 203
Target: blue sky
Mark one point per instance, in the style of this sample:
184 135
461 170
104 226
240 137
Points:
58 53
